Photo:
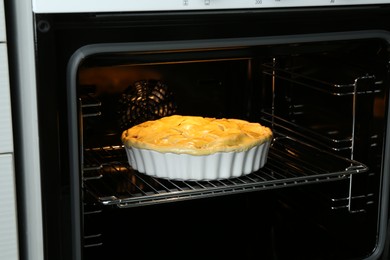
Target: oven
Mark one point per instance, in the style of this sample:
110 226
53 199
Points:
315 73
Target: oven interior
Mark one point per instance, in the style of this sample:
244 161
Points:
318 195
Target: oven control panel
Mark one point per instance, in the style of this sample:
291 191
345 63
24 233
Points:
66 6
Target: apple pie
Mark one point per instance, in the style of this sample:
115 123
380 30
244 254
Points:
197 148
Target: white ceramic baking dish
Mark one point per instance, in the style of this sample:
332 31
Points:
220 165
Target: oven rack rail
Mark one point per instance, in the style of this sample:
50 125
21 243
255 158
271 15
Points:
362 84
290 163
321 140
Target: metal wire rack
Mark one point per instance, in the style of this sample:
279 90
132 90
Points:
290 163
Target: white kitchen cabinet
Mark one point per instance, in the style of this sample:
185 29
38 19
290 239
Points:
2 22
8 218
9 248
6 142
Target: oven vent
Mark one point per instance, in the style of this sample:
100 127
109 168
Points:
146 100
290 163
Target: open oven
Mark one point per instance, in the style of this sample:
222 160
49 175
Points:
317 74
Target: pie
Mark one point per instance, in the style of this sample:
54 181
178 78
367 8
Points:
197 148
196 135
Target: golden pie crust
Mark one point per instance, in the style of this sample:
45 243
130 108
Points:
195 135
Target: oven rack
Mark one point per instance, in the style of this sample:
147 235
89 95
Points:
290 163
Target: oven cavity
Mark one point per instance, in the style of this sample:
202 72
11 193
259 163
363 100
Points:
326 109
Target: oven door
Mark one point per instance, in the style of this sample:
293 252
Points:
68 41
